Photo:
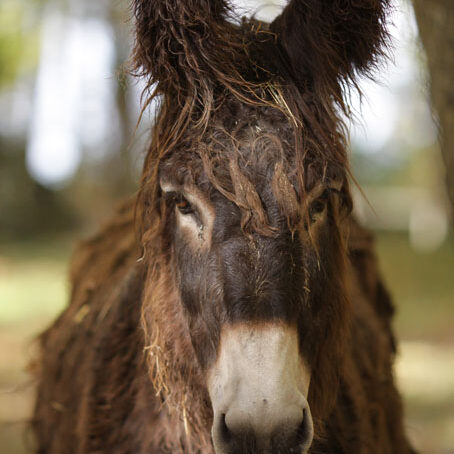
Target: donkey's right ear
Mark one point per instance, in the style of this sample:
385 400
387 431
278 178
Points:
182 45
332 42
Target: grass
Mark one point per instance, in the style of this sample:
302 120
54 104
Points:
424 373
33 283
33 289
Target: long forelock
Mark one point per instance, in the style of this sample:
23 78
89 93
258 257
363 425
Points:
298 154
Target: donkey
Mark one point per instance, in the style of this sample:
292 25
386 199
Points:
234 305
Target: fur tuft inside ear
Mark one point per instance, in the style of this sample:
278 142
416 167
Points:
331 42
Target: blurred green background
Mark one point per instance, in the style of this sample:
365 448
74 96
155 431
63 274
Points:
69 150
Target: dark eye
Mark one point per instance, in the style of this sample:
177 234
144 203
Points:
183 206
318 205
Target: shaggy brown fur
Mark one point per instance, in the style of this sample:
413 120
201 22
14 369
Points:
94 394
250 115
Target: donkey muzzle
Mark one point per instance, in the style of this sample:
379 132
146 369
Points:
258 388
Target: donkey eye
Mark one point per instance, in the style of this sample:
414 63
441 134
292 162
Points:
318 205
183 206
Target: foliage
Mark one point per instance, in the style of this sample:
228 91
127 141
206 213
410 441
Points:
19 40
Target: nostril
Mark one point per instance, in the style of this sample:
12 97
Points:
289 430
224 430
305 430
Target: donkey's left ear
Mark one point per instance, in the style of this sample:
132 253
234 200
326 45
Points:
327 42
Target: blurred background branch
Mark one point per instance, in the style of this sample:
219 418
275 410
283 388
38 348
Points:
436 28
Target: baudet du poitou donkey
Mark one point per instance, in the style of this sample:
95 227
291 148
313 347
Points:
233 305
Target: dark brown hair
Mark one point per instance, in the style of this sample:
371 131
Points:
303 64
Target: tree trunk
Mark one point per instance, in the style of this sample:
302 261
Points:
436 26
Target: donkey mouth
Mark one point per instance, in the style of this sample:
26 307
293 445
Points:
257 388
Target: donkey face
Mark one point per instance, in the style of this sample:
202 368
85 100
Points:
245 307
255 269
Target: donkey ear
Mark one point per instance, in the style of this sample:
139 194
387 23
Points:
328 42
182 44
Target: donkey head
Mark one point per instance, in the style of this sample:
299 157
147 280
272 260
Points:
244 192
